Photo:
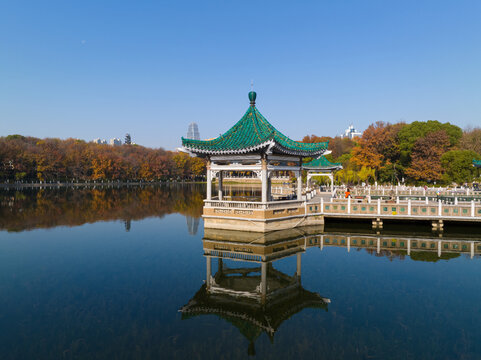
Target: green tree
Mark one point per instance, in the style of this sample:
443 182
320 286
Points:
410 134
458 167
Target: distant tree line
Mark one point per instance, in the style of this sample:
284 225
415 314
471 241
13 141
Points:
420 152
31 159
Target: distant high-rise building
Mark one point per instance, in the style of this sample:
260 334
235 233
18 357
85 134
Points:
100 141
128 139
351 132
193 131
115 142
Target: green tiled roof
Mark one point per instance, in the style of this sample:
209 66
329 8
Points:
477 163
253 132
322 164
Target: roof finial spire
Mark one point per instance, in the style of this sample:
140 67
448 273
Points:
252 94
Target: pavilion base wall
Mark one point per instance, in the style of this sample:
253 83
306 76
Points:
260 220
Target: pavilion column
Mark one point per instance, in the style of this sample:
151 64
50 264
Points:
264 180
269 188
331 177
299 185
220 177
209 181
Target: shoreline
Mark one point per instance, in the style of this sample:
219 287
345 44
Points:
92 184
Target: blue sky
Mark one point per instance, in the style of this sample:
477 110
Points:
88 69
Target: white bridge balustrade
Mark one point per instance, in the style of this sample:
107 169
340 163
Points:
253 205
400 209
399 190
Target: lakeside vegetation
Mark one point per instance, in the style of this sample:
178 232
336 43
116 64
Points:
420 152
29 159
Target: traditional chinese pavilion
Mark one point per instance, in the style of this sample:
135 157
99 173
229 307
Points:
477 163
321 167
252 145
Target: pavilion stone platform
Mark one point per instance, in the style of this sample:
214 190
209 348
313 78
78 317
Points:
256 147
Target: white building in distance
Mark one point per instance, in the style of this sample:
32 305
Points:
100 141
351 133
115 142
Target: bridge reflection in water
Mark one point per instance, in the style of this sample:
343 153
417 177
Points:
256 297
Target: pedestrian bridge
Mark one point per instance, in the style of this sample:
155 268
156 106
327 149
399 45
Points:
280 215
379 210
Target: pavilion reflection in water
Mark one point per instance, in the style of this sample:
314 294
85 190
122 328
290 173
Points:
255 297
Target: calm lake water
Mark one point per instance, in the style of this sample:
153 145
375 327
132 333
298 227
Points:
120 274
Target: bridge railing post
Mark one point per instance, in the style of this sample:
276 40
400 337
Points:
379 206
472 209
440 207
409 207
322 205
348 205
